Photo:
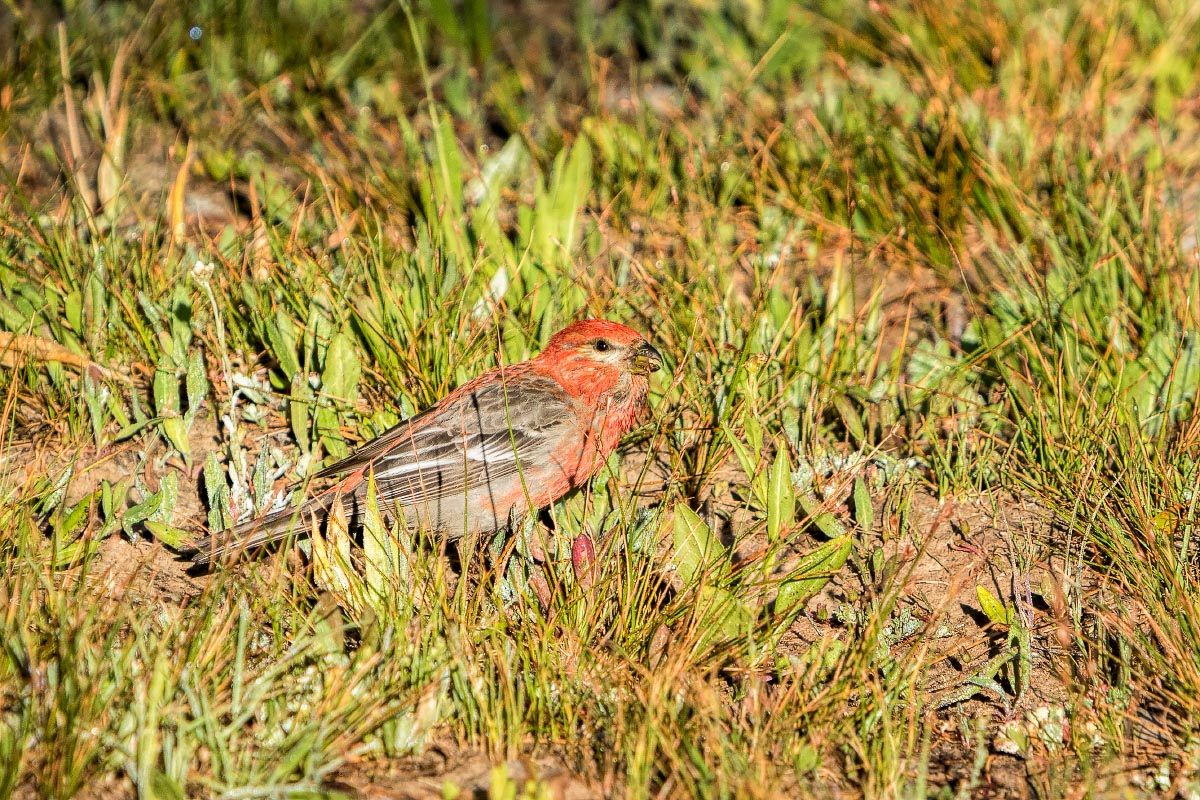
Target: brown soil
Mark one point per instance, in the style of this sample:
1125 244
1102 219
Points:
949 549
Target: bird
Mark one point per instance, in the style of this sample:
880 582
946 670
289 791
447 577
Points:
507 443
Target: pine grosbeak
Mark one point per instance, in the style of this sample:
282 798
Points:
513 440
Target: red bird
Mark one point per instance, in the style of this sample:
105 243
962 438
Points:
515 439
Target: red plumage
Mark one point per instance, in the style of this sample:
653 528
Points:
513 440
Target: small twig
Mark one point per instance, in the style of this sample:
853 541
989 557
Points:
15 348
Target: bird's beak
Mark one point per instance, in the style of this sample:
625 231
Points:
646 359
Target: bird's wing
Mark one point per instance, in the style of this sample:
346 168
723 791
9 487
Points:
480 438
483 437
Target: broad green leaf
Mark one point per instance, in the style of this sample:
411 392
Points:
95 398
317 333
141 512
333 569
330 430
383 561
196 383
167 534
571 191
75 552
730 617
94 305
850 416
754 435
812 572
113 495
299 413
863 512
993 609
339 379
168 487
116 408
827 522
176 430
181 324
878 562
218 493
76 518
261 479
11 317
556 212
781 495
695 545
745 457
166 392
281 335
73 311
133 428
163 787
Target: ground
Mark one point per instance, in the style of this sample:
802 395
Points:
911 512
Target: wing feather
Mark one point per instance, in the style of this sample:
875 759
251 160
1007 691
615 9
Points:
451 448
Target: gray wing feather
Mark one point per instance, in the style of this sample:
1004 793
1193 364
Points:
440 453
445 452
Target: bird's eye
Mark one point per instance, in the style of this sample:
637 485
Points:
602 346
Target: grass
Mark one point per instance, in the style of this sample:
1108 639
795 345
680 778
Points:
913 514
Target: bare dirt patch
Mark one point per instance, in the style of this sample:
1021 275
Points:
472 774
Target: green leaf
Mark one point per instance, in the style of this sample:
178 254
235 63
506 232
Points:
331 435
342 370
812 572
76 518
781 495
556 217
878 563
134 428
753 430
96 397
167 534
730 617
863 512
181 324
76 552
11 318
196 383
384 561
745 458
695 545
339 381
850 416
163 787
299 413
281 335
141 512
824 520
73 311
168 487
176 430
116 409
993 609
166 392
218 494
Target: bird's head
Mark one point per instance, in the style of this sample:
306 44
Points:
599 343
596 358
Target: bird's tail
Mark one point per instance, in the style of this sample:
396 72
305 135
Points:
262 531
